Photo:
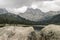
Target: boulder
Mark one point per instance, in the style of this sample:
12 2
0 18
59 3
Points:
50 32
17 33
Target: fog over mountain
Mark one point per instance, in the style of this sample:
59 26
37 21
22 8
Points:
3 10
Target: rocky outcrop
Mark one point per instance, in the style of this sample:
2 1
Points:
17 33
50 32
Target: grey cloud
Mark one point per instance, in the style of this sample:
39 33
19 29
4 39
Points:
17 3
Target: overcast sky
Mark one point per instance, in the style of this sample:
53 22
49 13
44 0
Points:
22 5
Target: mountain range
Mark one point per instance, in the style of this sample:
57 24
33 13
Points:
31 16
37 14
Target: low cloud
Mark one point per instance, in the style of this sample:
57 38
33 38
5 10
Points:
46 6
16 3
43 5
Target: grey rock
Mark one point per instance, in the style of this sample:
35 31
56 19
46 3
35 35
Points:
15 33
50 32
